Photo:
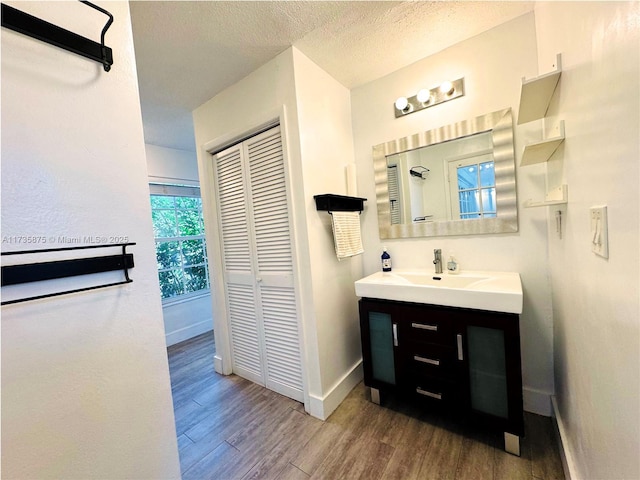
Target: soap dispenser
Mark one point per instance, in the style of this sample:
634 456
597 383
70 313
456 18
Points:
453 267
386 260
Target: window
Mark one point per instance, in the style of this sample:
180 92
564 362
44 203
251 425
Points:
475 187
181 250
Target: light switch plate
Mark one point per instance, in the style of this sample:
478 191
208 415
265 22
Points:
599 231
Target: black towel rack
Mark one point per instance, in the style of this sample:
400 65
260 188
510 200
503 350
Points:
339 203
34 27
419 171
36 272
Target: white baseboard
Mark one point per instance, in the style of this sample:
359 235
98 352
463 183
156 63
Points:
217 365
536 401
568 465
323 407
186 333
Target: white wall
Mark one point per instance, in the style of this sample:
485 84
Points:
318 146
324 119
170 165
595 301
185 318
85 383
493 64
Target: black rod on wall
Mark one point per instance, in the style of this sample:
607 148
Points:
34 27
339 203
40 271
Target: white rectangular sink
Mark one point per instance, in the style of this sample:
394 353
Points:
493 291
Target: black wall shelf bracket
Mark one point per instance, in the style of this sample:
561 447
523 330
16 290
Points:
36 272
26 24
339 203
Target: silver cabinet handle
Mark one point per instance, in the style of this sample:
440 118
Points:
395 334
421 326
460 352
430 361
437 396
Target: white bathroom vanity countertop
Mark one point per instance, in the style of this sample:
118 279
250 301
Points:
481 290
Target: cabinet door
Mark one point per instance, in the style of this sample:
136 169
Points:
487 371
490 346
379 330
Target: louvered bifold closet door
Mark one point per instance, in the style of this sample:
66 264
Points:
394 194
272 230
238 268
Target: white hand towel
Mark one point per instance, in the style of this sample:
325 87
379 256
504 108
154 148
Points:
346 234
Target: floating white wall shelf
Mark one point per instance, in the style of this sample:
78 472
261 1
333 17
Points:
535 97
556 196
536 93
540 152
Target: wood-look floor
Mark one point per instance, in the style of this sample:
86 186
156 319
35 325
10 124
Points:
229 428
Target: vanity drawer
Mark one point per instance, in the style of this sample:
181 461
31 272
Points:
435 390
435 329
431 359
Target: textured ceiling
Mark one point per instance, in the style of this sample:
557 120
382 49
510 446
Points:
187 52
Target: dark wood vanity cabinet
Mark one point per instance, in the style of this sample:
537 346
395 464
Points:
463 361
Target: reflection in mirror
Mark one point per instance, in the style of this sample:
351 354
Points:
454 180
446 181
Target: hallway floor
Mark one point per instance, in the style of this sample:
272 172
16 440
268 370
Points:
229 428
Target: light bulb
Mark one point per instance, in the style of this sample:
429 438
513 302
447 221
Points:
424 96
447 88
402 103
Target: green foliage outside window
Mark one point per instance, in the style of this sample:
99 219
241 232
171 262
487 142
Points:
180 246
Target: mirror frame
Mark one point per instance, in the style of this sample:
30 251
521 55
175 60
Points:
500 124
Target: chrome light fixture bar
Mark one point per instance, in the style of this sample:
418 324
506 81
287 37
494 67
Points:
428 98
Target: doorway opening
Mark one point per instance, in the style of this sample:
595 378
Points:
181 258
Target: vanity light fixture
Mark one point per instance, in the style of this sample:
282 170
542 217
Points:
402 104
429 97
424 96
447 88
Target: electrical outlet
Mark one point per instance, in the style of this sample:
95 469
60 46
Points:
599 231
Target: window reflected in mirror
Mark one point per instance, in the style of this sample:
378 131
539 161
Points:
475 189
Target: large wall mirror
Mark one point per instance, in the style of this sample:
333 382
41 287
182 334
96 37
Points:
458 179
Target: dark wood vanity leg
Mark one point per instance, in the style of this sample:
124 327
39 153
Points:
512 443
375 396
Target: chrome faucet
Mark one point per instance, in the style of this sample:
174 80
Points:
437 259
